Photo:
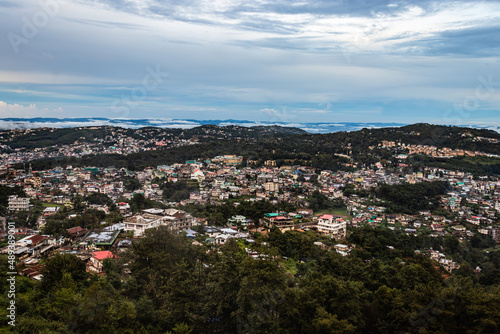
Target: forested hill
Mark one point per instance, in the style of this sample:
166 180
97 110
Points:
44 137
325 151
442 136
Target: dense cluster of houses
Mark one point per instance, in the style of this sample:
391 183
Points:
118 141
473 204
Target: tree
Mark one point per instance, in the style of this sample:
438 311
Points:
99 199
61 264
78 204
259 296
131 184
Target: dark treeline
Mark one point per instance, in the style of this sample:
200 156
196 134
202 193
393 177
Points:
411 198
219 214
475 165
167 285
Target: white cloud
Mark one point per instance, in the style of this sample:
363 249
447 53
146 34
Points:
31 110
246 54
17 110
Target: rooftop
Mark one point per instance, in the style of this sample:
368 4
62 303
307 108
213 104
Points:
101 237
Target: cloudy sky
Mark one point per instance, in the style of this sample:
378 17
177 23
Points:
290 61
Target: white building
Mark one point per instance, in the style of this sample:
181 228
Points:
151 218
18 203
342 249
197 175
333 226
142 222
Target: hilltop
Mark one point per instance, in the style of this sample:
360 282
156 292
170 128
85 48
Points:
45 137
471 150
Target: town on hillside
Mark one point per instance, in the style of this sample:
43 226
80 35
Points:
96 213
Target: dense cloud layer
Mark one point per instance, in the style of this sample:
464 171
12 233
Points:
286 61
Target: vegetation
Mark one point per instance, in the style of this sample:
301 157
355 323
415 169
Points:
319 150
66 136
178 191
411 198
174 286
219 214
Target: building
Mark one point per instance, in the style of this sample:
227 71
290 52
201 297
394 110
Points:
76 231
448 265
152 218
237 220
271 187
270 163
139 223
50 210
495 234
331 225
197 175
97 259
18 203
182 221
342 249
279 220
229 159
99 238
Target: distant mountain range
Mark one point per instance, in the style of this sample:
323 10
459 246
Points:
317 127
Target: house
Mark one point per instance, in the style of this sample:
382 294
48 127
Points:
97 259
33 272
221 239
279 220
139 223
320 245
151 218
331 225
448 265
123 207
99 238
237 220
437 228
342 249
123 245
191 234
75 232
182 220
197 175
36 239
50 210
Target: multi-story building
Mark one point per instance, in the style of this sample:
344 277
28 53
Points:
332 225
279 220
152 218
271 187
229 159
18 203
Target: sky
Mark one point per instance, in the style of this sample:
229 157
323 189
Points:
259 60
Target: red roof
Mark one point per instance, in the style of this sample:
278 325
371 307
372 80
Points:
101 255
76 231
37 238
326 217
